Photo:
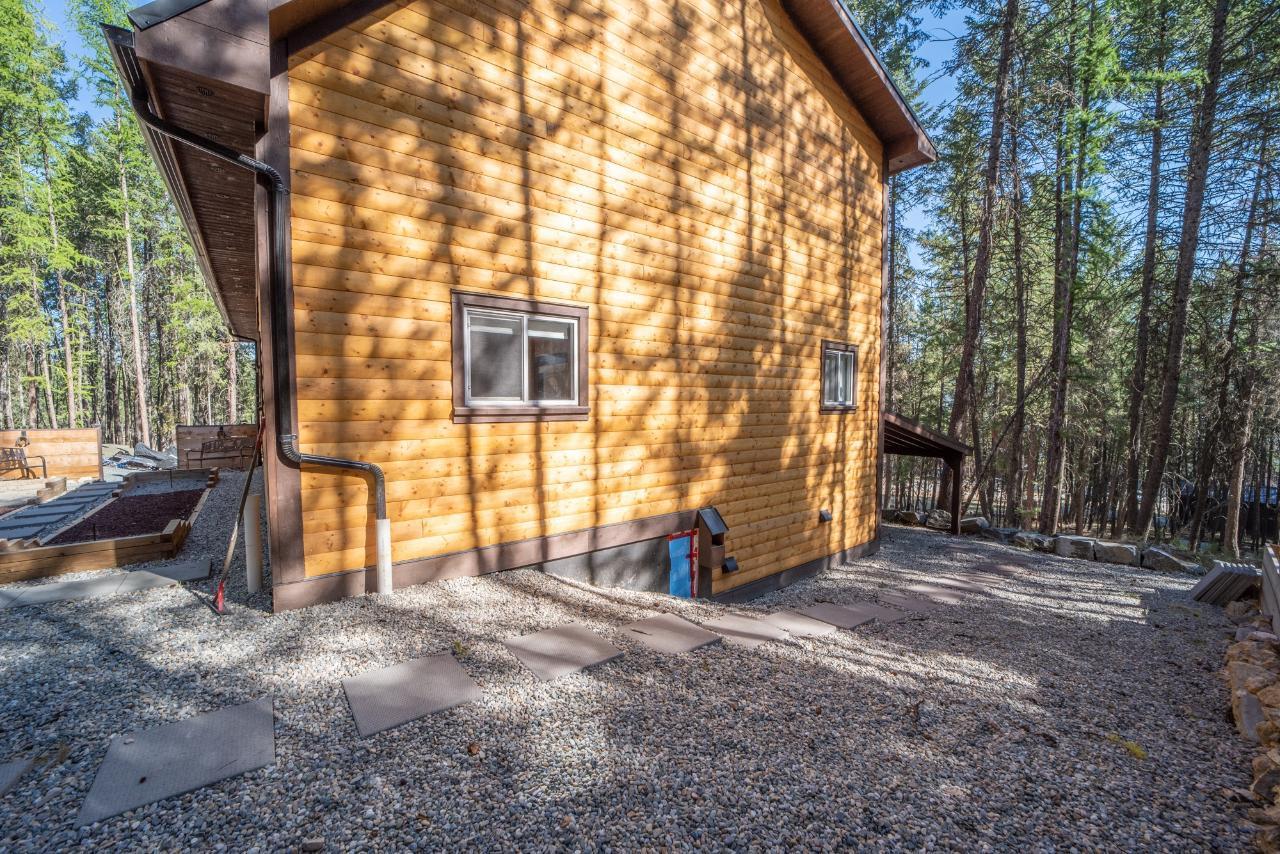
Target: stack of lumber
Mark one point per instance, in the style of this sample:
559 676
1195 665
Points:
1226 583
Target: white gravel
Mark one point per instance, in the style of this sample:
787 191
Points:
997 723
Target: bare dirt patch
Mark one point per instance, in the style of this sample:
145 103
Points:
132 515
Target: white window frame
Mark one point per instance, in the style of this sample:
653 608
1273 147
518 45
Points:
846 354
524 317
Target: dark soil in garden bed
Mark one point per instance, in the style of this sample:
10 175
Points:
131 515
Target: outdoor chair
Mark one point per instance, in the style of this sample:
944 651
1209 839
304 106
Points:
16 459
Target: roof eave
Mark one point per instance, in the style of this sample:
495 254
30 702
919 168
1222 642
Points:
839 42
121 45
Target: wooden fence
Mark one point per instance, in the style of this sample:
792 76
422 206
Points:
191 437
67 453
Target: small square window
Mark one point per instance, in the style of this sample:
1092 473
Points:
839 376
518 360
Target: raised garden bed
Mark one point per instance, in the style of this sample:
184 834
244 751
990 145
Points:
126 530
132 515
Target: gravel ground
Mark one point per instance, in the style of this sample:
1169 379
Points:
1076 706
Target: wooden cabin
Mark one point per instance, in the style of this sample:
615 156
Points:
566 271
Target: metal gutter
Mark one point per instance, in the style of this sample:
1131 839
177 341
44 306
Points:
159 11
278 219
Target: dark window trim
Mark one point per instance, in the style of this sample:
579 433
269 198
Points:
464 414
840 347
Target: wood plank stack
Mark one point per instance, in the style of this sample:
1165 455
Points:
1226 582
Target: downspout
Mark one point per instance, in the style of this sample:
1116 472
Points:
278 217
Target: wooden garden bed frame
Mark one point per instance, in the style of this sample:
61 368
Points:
25 561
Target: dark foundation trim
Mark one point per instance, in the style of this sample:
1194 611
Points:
516 555
533 552
787 577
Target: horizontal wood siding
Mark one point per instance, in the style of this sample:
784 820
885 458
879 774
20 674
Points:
687 170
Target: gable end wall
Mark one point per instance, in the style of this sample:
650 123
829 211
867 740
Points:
687 170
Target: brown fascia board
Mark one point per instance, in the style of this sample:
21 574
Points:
844 49
825 24
120 43
917 433
223 40
228 40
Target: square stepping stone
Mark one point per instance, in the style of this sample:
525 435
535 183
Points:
105 585
150 765
669 634
143 579
11 772
841 616
797 624
745 631
386 698
559 651
936 593
886 615
65 591
948 583
914 604
1005 568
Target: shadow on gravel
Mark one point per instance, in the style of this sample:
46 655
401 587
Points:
992 721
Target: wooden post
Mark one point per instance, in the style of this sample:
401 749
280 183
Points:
252 541
957 468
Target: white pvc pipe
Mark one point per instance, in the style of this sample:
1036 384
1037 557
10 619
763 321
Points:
383 530
252 542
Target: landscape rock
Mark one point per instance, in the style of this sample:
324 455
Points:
939 519
1032 540
1240 610
1258 654
1000 535
1270 696
1121 553
1266 776
1247 712
1165 561
973 524
1251 678
912 517
1078 547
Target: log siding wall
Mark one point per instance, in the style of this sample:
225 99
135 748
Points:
687 169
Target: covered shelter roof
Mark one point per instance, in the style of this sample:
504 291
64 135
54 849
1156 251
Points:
912 439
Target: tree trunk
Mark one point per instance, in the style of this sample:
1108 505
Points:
1239 453
975 293
33 393
1066 242
964 380
139 370
69 365
1014 488
233 375
48 388
1213 434
1138 386
1197 178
